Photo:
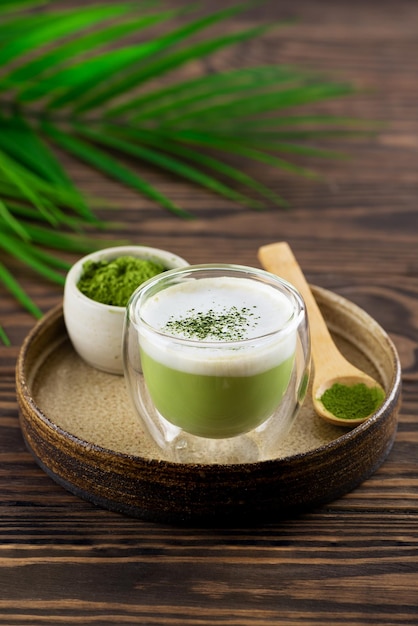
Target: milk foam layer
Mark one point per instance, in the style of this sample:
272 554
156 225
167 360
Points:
269 339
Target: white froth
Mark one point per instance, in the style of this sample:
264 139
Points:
268 338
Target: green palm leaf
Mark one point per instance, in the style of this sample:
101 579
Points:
16 290
74 79
95 40
213 88
163 142
166 162
9 219
261 103
160 47
109 165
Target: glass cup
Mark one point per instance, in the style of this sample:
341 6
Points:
216 360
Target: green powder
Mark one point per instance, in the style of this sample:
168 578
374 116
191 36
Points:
352 402
113 282
230 324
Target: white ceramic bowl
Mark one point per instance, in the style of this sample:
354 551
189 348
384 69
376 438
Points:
96 329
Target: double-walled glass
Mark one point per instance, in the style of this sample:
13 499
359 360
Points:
216 360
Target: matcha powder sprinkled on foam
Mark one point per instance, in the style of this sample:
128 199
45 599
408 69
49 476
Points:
231 324
113 282
352 401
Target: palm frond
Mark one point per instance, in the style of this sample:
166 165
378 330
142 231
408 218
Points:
166 162
97 158
88 81
16 290
4 337
188 154
161 104
160 55
52 59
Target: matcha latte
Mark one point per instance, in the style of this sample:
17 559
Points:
217 349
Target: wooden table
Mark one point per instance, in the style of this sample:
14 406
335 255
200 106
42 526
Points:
354 561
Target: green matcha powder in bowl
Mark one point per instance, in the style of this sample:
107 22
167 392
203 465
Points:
97 289
113 281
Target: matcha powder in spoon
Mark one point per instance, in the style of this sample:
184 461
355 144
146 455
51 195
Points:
113 282
352 401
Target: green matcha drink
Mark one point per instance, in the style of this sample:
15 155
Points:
217 353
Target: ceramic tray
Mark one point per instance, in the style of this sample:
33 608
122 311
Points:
79 425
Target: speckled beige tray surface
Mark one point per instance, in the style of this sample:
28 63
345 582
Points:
80 425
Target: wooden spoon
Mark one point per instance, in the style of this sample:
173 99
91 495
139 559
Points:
330 366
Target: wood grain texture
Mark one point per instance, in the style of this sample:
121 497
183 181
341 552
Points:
353 562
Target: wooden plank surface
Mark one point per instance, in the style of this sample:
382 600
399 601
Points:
355 561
